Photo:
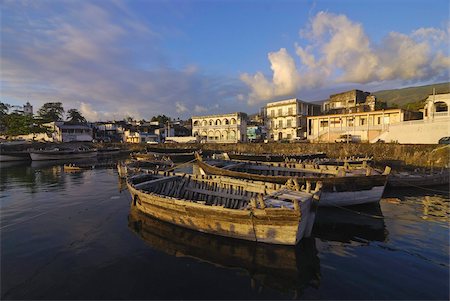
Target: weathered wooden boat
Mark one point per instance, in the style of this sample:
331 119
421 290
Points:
6 156
172 150
174 157
417 179
61 154
274 266
340 187
274 157
126 168
108 151
255 211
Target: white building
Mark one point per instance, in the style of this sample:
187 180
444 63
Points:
67 132
434 125
28 109
222 128
286 119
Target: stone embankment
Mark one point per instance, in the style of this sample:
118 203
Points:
417 155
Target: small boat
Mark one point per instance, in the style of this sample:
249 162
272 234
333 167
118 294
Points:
60 154
175 157
274 157
72 167
416 179
125 168
281 267
255 211
6 156
108 151
341 187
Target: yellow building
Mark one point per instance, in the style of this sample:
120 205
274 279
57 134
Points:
362 126
286 119
221 128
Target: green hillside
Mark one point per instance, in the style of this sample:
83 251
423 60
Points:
412 97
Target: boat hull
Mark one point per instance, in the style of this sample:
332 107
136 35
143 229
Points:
270 225
14 156
336 191
41 156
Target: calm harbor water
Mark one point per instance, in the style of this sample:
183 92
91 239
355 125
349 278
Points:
74 236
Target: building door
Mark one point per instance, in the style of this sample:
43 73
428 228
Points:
280 136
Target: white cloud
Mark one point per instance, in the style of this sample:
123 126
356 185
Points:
285 78
338 51
180 107
200 109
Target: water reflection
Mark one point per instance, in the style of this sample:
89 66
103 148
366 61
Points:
357 223
284 268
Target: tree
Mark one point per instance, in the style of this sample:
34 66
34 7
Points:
162 119
73 115
4 108
51 111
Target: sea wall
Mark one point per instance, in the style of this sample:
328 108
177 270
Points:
420 155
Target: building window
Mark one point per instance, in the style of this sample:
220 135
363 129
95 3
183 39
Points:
289 136
362 121
280 112
272 113
324 123
280 123
290 111
289 123
378 120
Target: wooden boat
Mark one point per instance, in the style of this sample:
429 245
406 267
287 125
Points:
174 157
167 150
108 151
280 267
59 154
255 211
340 188
409 179
6 156
126 168
274 157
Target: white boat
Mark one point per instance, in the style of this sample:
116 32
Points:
57 154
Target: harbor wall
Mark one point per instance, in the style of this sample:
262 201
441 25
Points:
420 155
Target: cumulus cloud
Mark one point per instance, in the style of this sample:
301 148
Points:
337 50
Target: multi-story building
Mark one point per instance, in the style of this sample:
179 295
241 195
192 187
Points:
363 126
221 128
286 119
351 102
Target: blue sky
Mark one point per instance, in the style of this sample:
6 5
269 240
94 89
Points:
112 59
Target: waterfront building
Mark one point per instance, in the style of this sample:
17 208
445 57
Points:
131 136
363 126
68 132
221 128
352 101
434 125
286 119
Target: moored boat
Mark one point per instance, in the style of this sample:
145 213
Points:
274 157
255 211
6 156
58 154
340 187
416 179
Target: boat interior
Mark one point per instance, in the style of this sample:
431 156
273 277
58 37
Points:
216 191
